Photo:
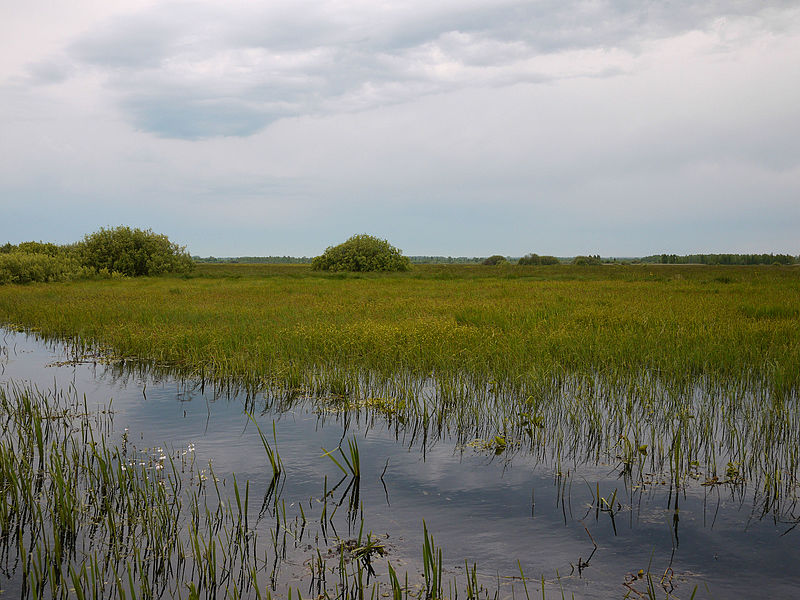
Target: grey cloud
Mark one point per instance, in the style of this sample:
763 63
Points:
50 71
136 42
194 71
196 118
552 25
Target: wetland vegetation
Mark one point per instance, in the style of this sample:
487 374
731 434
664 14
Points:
650 383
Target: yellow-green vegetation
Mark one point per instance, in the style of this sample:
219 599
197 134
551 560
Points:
250 322
23 267
657 367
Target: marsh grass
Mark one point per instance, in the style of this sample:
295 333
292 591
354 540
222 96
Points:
85 514
272 452
603 369
666 372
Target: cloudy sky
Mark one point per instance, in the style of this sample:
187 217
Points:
455 127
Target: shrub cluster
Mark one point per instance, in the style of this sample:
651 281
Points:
120 251
495 259
133 252
362 253
535 259
583 261
23 267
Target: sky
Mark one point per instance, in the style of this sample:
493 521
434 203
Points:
455 128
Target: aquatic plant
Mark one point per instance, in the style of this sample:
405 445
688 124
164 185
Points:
272 453
432 565
81 516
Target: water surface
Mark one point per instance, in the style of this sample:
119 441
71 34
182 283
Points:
505 512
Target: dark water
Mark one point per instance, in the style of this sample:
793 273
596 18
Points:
480 508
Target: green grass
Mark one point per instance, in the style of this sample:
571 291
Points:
504 324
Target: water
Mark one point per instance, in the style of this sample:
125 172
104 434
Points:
493 510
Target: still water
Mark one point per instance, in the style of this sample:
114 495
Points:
506 512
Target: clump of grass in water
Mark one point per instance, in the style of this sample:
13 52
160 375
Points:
272 453
353 462
432 565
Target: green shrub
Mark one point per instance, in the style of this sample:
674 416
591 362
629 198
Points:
584 261
495 259
133 252
24 267
535 259
38 248
362 253
47 248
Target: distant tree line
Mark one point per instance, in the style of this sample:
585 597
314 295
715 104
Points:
535 259
300 260
530 259
252 260
722 259
445 260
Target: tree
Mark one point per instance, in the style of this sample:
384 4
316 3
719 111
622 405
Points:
362 253
133 252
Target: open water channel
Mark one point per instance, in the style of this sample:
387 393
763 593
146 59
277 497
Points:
506 512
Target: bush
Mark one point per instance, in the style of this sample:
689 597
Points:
495 259
133 252
535 259
584 261
25 267
362 253
40 248
47 248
